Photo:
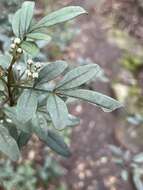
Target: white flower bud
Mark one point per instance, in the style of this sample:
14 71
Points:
38 65
19 50
35 75
30 61
28 72
17 41
8 120
13 46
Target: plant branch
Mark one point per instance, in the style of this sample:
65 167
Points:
9 80
30 87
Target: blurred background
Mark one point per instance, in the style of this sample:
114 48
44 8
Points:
106 147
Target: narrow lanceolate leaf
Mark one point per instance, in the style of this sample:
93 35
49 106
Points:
106 103
51 71
52 139
30 47
40 126
59 16
58 111
39 36
8 145
22 19
79 76
26 106
57 144
27 12
5 61
16 24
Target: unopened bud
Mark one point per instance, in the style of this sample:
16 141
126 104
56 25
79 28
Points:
13 46
19 50
38 65
30 61
28 72
35 75
17 41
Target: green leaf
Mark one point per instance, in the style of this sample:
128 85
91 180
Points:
40 126
59 16
138 158
79 76
137 178
22 19
73 121
5 61
30 47
23 139
57 144
11 114
12 129
51 71
8 145
16 24
58 111
52 139
125 175
105 102
26 105
27 12
39 36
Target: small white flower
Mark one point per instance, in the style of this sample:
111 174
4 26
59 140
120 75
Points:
17 41
13 46
35 75
19 50
9 120
28 72
30 61
1 121
38 65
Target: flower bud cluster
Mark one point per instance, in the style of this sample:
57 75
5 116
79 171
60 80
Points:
15 46
33 69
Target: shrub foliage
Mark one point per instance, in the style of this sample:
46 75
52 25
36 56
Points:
33 94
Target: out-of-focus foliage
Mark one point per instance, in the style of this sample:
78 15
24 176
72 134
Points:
28 175
132 163
132 63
